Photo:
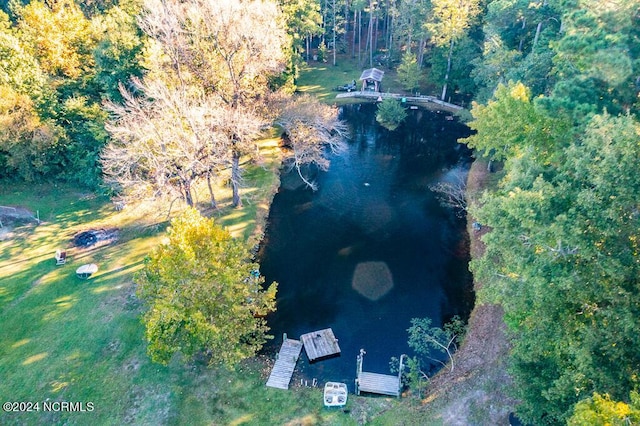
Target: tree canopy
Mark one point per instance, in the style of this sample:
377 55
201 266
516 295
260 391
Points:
203 294
562 258
390 114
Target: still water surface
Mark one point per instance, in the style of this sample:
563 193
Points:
372 247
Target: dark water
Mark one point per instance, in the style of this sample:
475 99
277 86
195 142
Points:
372 248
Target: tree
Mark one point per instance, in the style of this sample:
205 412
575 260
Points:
453 194
59 36
303 21
210 103
49 54
423 337
523 126
20 69
561 258
203 295
164 141
390 114
84 127
119 52
518 35
29 147
309 128
409 74
450 21
225 49
595 64
601 410
465 51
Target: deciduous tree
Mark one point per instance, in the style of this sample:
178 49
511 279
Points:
310 127
602 410
449 23
203 295
225 49
562 259
423 338
164 141
522 125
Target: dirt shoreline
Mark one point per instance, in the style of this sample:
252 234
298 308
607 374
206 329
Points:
475 392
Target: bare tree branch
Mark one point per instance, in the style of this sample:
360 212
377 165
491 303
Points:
452 194
309 129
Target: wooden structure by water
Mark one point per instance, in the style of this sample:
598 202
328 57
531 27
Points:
430 102
285 363
372 79
382 384
320 344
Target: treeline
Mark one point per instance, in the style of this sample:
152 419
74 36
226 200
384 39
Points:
59 61
584 51
558 86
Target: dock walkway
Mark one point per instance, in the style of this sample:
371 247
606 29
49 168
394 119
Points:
428 101
285 364
383 384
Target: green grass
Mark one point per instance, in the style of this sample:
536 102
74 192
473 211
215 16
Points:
321 78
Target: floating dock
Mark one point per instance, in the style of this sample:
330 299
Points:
320 344
382 384
285 363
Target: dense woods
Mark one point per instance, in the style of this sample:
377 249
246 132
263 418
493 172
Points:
143 98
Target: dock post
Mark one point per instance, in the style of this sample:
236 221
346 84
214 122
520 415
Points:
400 370
359 369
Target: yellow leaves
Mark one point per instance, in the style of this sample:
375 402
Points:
520 92
203 295
61 38
451 19
601 409
513 275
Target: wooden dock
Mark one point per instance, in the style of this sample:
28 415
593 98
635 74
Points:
285 363
320 344
430 102
382 384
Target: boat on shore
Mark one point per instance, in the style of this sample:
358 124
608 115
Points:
335 394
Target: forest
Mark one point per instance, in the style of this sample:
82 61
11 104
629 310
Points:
146 98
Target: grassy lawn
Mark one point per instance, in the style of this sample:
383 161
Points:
321 78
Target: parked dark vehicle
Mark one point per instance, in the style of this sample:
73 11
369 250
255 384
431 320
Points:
347 87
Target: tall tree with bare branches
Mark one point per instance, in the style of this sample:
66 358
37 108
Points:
163 142
207 99
309 128
210 63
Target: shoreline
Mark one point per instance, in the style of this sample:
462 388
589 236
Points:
476 391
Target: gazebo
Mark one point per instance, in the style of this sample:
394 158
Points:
371 79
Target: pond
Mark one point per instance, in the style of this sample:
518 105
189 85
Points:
372 247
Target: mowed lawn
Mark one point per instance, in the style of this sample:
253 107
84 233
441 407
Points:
81 341
321 78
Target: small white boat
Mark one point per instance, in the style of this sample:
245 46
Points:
335 394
